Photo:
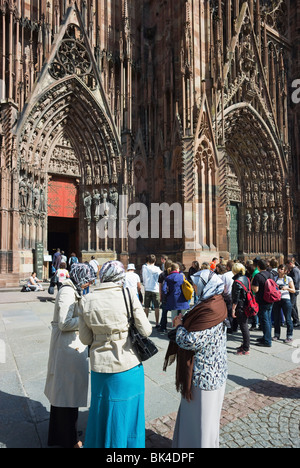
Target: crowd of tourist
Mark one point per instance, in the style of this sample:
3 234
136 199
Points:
95 327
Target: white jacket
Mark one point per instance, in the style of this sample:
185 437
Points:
103 324
150 275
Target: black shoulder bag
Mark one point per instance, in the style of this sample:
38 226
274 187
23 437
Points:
144 347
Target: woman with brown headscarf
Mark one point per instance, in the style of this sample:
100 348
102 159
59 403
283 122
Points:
200 350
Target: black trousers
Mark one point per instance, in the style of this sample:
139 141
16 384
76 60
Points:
63 427
243 323
295 314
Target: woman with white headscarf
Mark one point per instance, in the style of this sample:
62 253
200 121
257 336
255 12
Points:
68 370
199 347
116 417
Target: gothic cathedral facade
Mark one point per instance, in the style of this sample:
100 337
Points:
148 102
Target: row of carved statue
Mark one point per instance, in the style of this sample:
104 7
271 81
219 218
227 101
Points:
31 195
256 221
105 203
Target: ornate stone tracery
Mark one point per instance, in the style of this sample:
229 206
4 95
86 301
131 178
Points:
72 58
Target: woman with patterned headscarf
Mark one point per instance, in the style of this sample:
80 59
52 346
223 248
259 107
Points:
116 416
67 378
199 348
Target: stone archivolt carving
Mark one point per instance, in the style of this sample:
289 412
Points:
63 160
68 107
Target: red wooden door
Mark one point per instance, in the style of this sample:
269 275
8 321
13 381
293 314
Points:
63 198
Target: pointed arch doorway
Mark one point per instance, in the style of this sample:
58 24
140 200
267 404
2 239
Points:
254 177
63 215
68 150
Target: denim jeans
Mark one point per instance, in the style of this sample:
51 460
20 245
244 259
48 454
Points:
265 318
164 316
286 306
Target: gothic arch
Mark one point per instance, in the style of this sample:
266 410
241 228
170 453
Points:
205 165
70 107
67 110
255 177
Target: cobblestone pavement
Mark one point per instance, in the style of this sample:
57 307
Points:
261 406
265 415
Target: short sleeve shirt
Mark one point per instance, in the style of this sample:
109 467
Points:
259 280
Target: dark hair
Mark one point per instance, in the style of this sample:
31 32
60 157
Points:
151 258
250 269
262 265
221 268
273 263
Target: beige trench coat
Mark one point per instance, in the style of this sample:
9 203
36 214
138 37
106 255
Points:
68 367
103 324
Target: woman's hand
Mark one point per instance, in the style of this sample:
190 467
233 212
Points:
177 320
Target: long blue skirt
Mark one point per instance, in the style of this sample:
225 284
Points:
117 415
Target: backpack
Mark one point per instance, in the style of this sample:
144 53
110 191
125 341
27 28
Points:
187 289
73 260
251 307
272 292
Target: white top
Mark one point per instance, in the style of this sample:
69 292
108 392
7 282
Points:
150 275
284 282
62 275
131 280
94 264
32 281
228 281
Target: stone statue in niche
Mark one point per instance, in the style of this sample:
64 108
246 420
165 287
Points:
265 218
96 201
97 175
280 220
87 203
255 200
113 197
88 171
248 222
271 200
264 202
30 194
23 193
105 175
256 220
228 218
42 201
272 220
114 171
36 197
